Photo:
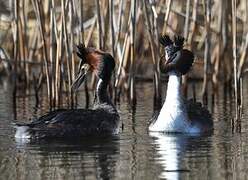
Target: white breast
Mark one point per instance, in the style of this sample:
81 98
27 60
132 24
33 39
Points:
173 116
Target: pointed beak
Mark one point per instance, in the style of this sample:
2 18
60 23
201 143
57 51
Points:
174 58
170 63
80 76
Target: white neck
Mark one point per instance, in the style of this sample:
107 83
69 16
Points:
173 115
173 94
101 92
174 102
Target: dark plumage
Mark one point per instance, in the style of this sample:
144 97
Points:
165 40
200 115
179 41
103 119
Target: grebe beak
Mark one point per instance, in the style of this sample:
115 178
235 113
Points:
174 58
80 76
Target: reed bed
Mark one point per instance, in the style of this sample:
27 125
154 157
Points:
43 34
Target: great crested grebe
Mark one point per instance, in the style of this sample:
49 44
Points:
177 114
103 119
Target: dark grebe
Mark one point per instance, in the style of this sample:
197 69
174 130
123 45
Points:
103 119
178 114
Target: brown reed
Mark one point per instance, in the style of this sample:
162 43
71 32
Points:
207 56
132 65
154 56
114 27
236 85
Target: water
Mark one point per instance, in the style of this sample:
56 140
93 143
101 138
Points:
133 154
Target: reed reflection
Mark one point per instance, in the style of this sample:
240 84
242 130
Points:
93 158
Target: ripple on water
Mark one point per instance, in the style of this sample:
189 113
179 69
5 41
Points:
133 154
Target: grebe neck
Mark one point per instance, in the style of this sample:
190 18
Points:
174 88
101 95
173 116
174 108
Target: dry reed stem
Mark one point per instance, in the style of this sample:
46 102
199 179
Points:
99 25
193 25
91 31
207 57
234 33
120 16
40 22
243 57
111 24
186 24
132 65
71 37
198 22
23 40
124 49
58 65
153 52
67 50
186 32
15 36
166 17
80 17
52 51
218 48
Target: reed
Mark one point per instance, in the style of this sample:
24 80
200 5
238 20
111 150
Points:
193 23
121 27
207 56
53 31
99 20
15 36
132 65
37 8
166 17
119 24
23 40
154 53
186 32
236 80
111 25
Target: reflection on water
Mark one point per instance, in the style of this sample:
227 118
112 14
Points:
73 159
169 148
133 154
173 148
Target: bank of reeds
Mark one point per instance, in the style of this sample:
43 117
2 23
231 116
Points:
44 35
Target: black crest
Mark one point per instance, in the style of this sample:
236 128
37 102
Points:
179 41
82 52
165 40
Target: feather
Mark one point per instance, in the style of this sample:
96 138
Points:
165 40
179 41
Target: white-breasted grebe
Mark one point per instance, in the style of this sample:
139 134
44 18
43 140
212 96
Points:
177 114
102 119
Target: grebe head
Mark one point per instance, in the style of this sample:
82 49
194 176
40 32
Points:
176 58
96 61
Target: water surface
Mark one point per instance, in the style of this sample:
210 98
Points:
133 154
